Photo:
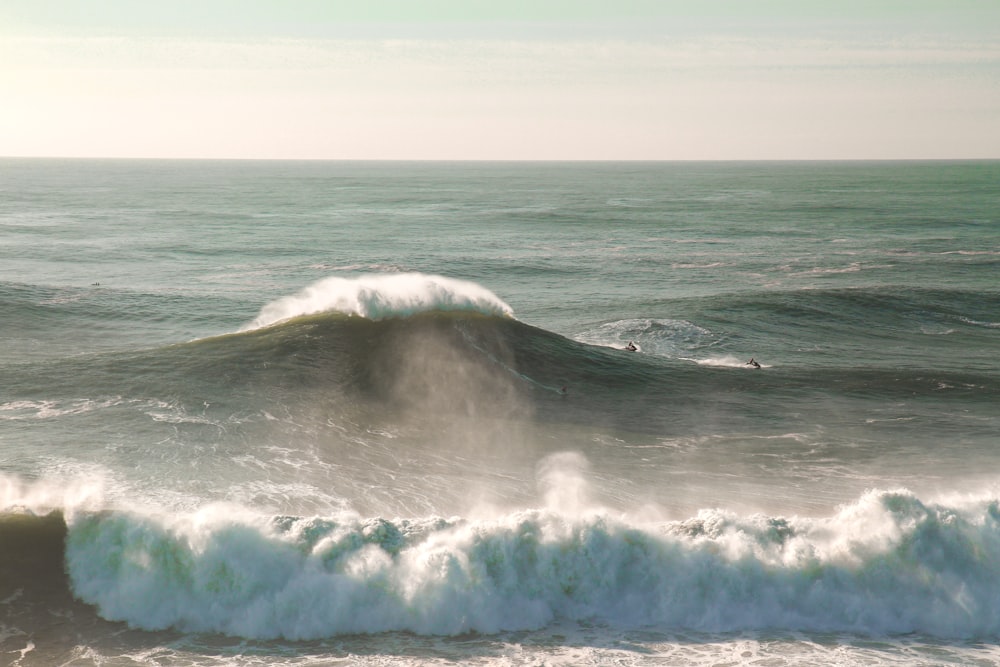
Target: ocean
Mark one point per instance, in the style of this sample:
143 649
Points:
369 413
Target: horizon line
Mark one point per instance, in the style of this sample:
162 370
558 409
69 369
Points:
489 160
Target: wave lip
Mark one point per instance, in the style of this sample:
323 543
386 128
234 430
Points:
380 296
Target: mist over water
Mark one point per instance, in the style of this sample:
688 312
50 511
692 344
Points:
386 412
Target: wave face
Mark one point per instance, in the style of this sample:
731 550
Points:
387 343
887 563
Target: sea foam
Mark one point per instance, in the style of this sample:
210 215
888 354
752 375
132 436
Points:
379 296
886 564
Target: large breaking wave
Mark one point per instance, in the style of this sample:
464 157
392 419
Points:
888 563
378 296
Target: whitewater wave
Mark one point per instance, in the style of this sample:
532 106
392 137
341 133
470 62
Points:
725 361
665 337
888 563
382 296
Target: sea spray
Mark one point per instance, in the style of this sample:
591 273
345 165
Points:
376 296
562 481
85 489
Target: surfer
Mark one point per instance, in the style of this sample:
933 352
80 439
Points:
753 363
631 347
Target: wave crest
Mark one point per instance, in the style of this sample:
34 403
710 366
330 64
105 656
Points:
380 296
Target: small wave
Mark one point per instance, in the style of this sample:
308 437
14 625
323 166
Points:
980 323
666 337
48 409
936 331
725 361
988 253
375 267
695 265
853 267
382 296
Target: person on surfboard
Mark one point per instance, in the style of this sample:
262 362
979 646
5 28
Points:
631 347
753 363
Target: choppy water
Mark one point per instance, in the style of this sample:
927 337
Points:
360 413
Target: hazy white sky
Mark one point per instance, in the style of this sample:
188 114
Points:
501 79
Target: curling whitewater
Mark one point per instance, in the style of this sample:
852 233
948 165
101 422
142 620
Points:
379 296
887 564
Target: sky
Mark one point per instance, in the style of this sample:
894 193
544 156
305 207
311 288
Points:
501 79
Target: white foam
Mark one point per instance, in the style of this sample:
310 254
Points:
48 409
885 564
665 337
725 361
379 296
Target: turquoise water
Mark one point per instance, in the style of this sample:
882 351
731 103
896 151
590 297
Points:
308 412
